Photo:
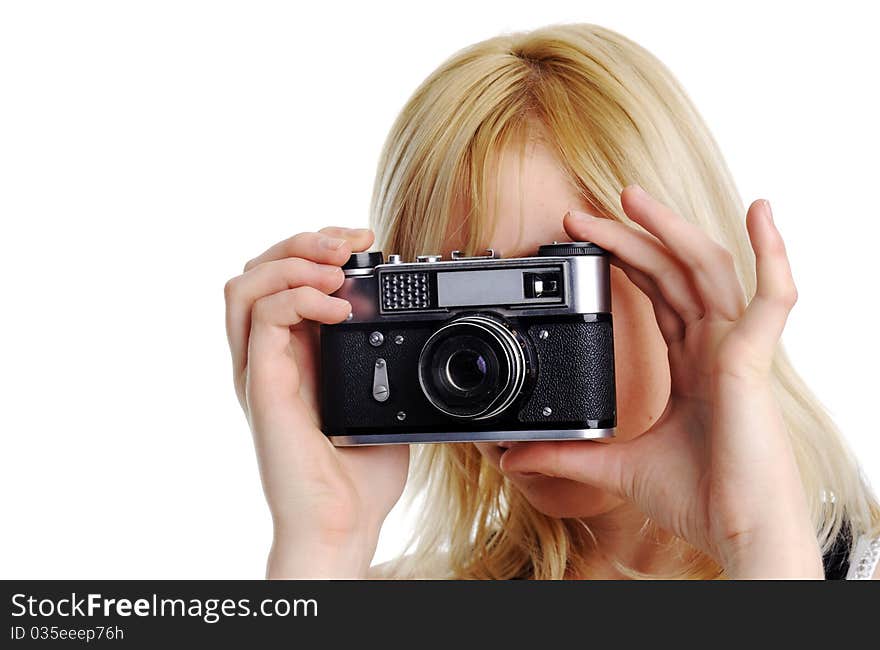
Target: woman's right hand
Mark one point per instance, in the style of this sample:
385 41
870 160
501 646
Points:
327 503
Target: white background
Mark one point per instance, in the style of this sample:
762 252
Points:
148 149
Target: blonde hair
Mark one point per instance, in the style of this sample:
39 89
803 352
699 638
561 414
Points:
615 116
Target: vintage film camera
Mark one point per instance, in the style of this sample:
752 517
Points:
472 349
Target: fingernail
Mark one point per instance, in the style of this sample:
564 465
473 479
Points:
581 216
357 231
332 243
638 189
769 210
330 268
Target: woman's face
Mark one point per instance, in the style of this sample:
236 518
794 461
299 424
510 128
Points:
640 352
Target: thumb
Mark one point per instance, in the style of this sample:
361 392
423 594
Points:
602 465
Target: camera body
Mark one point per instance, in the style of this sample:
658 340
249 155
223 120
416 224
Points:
472 349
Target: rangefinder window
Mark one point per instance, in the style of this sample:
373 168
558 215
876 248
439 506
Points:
542 284
487 287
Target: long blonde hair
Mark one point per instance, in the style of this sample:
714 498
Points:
615 116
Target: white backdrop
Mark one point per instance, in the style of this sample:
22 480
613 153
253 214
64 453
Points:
148 149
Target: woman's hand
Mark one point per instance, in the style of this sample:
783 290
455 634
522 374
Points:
327 503
717 468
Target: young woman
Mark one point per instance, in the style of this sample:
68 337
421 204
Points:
723 465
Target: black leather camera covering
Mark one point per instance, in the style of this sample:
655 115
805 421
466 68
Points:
574 378
576 373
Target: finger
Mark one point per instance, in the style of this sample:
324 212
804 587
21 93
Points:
330 246
265 279
776 293
603 466
642 252
272 377
670 323
357 236
710 264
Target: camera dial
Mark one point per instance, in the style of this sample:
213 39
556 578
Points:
368 260
568 249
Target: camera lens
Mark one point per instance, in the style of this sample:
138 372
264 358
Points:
472 368
466 369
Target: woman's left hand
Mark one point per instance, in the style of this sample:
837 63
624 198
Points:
717 468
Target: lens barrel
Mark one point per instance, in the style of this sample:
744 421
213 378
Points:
472 368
